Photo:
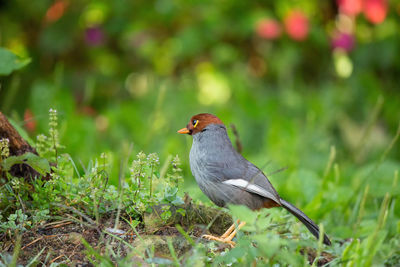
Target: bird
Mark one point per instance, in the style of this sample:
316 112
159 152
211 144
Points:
226 177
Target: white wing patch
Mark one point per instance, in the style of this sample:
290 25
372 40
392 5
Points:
253 188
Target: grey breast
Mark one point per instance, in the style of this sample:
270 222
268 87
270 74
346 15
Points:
214 161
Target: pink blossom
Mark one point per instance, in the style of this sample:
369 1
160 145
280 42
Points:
269 29
296 25
350 7
94 35
375 10
344 41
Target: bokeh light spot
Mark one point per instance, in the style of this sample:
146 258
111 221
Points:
56 11
375 10
95 14
296 25
213 86
102 123
343 41
343 64
137 84
268 29
345 23
30 121
350 7
94 35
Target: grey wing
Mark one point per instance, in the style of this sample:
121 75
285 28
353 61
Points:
243 174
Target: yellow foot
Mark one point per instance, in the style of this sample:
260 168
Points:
219 239
227 236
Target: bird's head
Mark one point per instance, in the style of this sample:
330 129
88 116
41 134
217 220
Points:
199 122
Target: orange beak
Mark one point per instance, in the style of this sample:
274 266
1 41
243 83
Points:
184 131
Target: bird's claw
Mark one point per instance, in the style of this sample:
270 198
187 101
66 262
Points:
219 239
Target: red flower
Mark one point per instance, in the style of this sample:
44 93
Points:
296 25
350 7
269 29
30 122
375 10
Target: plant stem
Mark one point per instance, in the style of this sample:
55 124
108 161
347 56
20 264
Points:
138 184
151 180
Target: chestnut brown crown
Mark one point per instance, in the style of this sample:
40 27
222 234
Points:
198 122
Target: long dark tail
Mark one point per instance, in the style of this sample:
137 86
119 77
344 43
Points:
305 220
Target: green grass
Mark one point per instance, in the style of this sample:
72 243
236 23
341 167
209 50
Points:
349 185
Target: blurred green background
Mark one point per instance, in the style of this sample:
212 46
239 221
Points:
298 79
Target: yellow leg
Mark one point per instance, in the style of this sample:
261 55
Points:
232 235
229 231
227 236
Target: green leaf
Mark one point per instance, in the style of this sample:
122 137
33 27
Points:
10 62
351 250
40 165
22 132
244 214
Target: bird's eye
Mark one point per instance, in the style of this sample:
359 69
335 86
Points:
195 122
